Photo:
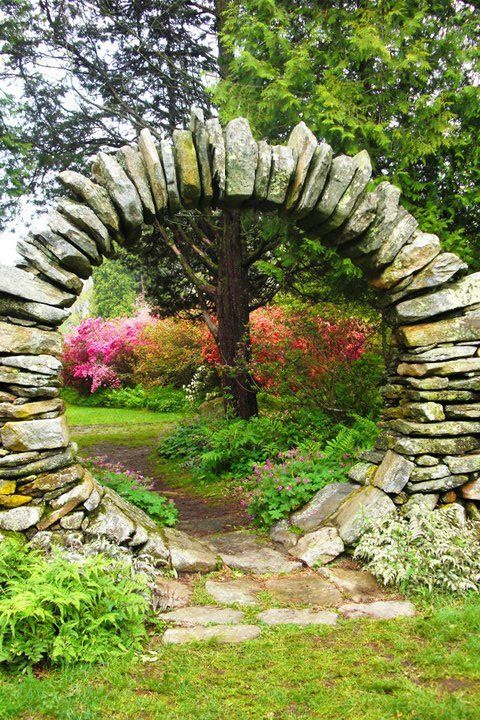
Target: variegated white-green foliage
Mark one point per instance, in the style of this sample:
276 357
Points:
433 550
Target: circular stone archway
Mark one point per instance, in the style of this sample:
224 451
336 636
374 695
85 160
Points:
429 448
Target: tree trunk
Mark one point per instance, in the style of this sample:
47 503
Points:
233 317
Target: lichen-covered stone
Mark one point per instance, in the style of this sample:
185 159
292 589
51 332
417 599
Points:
20 519
446 368
21 284
393 473
18 339
67 255
360 180
262 175
460 294
188 172
19 468
362 472
54 480
123 193
241 161
200 137
464 463
421 503
94 195
60 225
439 446
356 225
35 434
315 181
283 534
412 257
339 178
325 502
151 158
367 503
20 378
36 259
441 269
440 354
28 410
471 411
132 162
303 144
387 197
450 428
318 547
216 143
13 501
399 234
283 166
441 485
423 411
168 162
42 364
187 554
432 472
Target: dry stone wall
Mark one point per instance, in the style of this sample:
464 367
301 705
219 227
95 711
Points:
429 449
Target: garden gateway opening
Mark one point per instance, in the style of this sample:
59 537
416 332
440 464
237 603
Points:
430 430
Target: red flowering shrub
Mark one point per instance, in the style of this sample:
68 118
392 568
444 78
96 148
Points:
305 354
100 353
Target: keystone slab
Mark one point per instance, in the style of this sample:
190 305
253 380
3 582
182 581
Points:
303 144
186 165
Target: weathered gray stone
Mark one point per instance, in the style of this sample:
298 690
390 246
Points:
168 162
340 176
21 518
291 616
387 197
443 268
451 428
400 232
170 594
458 329
88 221
46 463
464 463
322 505
432 383
357 224
363 505
427 461
361 178
17 339
471 491
223 634
471 411
393 473
319 547
202 615
374 457
446 368
424 412
43 364
412 257
362 473
315 181
283 166
216 143
67 255
303 144
439 446
93 501
132 162
455 512
110 521
301 589
359 585
460 294
15 376
241 161
35 434
186 165
442 484
434 472
470 383
72 521
187 554
200 138
440 354
37 260
379 610
242 551
42 391
28 410
21 284
77 494
420 503
53 481
242 591
123 192
151 159
60 225
262 174
94 195
282 533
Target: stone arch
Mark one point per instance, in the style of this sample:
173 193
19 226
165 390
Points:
429 448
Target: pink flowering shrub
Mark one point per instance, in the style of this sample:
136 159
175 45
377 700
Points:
100 353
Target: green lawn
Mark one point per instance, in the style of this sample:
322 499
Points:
77 415
426 668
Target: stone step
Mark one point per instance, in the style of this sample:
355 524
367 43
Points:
192 615
291 616
220 633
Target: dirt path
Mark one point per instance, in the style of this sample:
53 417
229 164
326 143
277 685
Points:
197 515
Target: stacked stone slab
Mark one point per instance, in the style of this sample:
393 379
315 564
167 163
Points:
429 449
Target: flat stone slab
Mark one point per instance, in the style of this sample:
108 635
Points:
290 616
380 610
304 590
360 585
242 551
202 615
220 633
234 592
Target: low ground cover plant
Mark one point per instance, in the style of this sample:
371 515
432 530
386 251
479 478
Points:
135 487
157 399
433 551
57 611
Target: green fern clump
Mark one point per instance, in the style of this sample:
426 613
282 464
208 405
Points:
433 551
54 610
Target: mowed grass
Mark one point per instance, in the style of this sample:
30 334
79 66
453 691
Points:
424 668
116 416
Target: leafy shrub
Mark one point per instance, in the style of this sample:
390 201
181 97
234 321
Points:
158 399
52 609
432 551
133 486
291 479
99 353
